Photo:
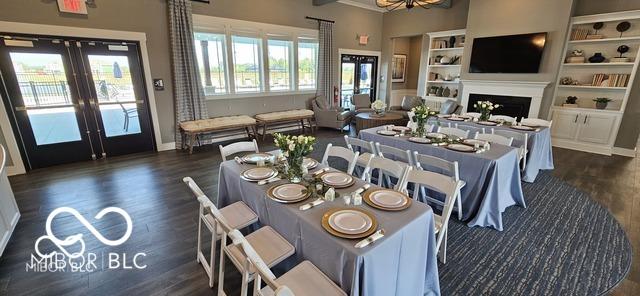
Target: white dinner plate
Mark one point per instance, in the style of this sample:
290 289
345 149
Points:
436 135
289 192
309 163
260 173
420 140
461 148
350 221
255 157
523 128
473 142
388 199
444 115
456 119
337 179
387 133
490 123
400 128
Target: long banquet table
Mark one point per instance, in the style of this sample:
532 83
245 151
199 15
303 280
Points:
540 155
404 262
492 177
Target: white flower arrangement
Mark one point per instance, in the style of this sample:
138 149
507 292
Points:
378 105
485 108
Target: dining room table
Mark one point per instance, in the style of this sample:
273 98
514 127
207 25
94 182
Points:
540 150
403 262
492 177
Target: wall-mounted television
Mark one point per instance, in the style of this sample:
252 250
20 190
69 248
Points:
508 54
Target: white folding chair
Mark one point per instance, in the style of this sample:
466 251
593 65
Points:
536 121
386 168
473 114
366 150
496 139
504 118
237 215
470 128
452 131
305 279
267 242
521 141
341 152
238 147
444 185
411 114
444 167
396 154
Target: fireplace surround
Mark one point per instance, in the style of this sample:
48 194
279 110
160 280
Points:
519 90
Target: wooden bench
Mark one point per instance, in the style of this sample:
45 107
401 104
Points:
267 120
191 130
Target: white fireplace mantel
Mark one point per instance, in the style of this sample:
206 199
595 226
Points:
533 90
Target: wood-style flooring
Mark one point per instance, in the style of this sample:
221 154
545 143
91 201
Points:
149 187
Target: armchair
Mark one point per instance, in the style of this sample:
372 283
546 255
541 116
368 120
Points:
361 103
328 117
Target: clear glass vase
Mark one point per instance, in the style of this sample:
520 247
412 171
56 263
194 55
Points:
294 169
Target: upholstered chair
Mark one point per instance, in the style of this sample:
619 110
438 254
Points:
330 117
450 107
408 103
361 103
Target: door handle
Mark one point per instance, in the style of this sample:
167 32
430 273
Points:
585 119
576 120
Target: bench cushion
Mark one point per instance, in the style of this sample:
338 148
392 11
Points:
285 115
217 123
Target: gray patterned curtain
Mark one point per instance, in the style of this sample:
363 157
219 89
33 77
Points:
187 89
325 63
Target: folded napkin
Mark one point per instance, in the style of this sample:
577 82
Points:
264 182
312 204
238 160
363 188
367 241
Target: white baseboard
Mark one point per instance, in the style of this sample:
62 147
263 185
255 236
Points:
5 239
624 152
15 170
591 148
167 146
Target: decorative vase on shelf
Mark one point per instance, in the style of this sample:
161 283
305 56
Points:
597 58
601 105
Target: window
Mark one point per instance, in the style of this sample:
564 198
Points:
246 63
210 52
307 63
280 70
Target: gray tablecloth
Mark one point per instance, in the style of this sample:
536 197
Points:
402 263
492 177
540 155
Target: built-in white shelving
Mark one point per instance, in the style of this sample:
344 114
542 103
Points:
582 126
432 73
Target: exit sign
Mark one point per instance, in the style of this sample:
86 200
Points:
73 6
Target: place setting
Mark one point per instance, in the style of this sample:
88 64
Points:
255 158
387 199
349 223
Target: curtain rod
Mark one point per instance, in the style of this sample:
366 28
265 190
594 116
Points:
318 19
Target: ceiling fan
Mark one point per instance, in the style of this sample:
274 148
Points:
394 4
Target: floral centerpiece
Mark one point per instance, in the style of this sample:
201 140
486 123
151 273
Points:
485 108
421 114
379 107
294 149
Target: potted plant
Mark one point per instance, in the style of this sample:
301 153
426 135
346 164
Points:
379 107
571 102
485 108
294 149
421 114
601 103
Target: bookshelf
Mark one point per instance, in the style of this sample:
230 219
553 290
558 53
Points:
437 73
583 126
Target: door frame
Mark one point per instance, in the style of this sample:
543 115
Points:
377 54
65 31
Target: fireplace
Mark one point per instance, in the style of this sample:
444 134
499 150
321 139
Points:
509 105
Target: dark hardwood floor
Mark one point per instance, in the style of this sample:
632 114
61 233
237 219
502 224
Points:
149 187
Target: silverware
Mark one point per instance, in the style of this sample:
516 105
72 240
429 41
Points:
238 160
271 180
315 174
312 204
370 239
363 188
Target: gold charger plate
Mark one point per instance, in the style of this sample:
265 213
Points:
367 199
347 185
329 229
273 197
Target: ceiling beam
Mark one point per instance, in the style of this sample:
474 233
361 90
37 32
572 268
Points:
322 2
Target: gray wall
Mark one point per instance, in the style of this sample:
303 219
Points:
505 17
150 17
418 21
630 127
412 48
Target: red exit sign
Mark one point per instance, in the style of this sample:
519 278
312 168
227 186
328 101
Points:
72 6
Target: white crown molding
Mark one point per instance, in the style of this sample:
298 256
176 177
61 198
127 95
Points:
362 5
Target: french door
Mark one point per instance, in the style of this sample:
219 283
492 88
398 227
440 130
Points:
359 75
74 100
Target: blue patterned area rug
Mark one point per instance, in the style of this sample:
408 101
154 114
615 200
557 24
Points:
563 243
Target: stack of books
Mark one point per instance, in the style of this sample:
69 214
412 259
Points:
437 44
610 80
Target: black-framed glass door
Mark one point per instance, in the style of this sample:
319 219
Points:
359 75
74 100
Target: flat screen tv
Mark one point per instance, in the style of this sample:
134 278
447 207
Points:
508 54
